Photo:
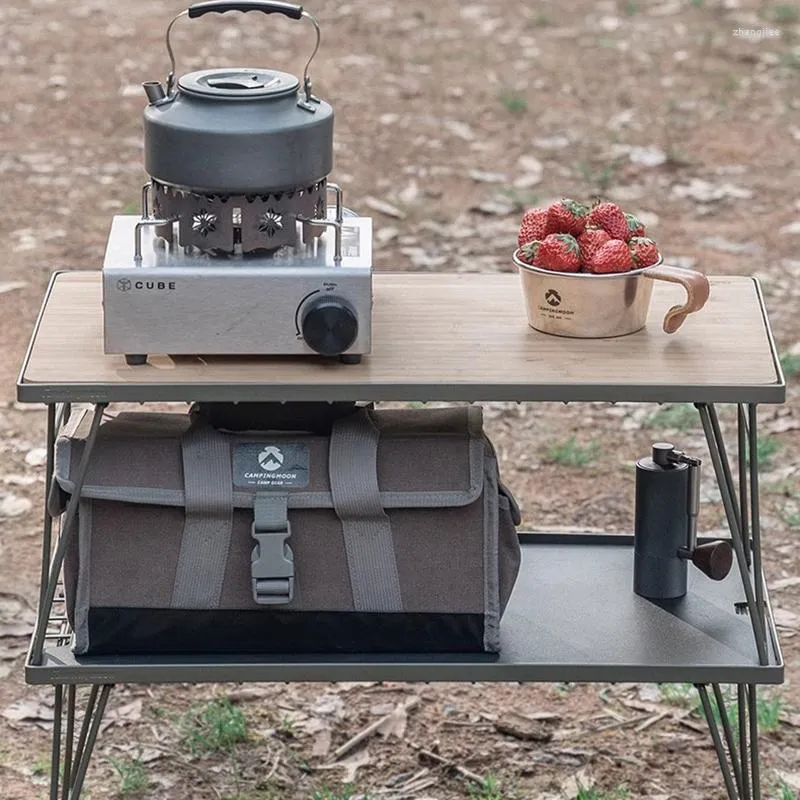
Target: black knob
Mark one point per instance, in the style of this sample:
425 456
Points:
329 325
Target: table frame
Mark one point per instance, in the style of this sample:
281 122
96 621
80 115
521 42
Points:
737 750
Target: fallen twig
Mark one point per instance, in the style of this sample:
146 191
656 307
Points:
373 728
446 762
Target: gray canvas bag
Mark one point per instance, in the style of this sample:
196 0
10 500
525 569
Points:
391 533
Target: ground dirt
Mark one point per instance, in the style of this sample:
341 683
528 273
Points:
458 115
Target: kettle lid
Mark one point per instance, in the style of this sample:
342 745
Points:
239 83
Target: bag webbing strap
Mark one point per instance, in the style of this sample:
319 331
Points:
353 468
208 487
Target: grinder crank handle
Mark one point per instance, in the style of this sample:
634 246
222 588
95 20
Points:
264 6
290 10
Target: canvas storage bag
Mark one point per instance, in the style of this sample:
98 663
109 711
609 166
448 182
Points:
390 533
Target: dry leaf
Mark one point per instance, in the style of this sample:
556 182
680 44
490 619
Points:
353 763
37 457
15 629
394 724
382 207
329 705
582 779
784 583
527 730
29 709
11 505
322 743
786 619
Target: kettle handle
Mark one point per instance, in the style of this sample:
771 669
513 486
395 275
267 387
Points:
265 7
220 7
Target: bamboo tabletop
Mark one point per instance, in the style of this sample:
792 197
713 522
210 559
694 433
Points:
436 336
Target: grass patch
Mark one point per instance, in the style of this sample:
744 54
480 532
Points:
792 519
132 774
542 20
572 454
514 102
768 446
768 709
784 12
521 199
217 725
790 364
598 178
41 766
630 8
681 417
490 789
786 792
618 793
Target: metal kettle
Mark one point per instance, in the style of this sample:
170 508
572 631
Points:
237 130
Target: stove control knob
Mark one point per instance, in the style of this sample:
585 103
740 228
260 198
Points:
329 325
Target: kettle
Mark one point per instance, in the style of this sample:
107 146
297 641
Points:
240 130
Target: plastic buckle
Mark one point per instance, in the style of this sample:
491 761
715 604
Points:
272 567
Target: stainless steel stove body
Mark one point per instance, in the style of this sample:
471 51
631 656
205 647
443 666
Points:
296 301
238 249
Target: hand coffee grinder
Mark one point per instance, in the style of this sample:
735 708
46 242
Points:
665 532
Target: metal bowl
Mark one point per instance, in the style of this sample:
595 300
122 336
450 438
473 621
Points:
588 306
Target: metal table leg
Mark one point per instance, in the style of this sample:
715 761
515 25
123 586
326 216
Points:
751 580
66 783
722 756
52 565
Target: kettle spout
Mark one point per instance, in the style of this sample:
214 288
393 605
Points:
154 91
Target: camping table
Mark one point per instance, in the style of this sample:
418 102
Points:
440 337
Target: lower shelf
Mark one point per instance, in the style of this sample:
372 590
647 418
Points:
573 617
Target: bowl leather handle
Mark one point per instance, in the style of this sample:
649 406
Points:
697 291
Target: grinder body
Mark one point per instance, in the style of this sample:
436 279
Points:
661 530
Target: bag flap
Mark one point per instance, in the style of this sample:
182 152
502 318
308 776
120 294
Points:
427 458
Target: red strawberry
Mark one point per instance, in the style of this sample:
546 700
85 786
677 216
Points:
610 218
643 251
528 251
534 226
567 216
590 241
613 256
558 252
635 226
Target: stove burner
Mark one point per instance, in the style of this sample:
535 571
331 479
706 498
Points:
251 223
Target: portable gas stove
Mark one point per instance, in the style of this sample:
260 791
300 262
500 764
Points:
238 249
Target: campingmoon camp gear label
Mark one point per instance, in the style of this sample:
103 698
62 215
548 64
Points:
270 464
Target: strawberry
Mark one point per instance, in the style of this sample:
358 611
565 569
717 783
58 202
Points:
567 216
590 241
528 251
610 218
643 251
534 226
635 227
558 252
613 256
